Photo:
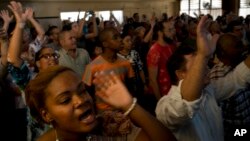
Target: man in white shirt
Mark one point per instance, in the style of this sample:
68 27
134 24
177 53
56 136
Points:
190 109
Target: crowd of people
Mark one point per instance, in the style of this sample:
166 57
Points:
163 79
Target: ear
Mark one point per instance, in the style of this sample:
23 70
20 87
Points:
180 74
46 116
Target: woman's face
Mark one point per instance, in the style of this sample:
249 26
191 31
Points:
48 58
127 42
68 105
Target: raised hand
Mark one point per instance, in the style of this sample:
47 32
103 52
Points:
30 13
17 9
205 47
111 90
5 16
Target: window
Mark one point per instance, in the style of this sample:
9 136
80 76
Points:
73 16
244 8
197 7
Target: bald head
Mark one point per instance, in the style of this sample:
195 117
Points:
229 48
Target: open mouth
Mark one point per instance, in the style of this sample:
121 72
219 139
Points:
87 117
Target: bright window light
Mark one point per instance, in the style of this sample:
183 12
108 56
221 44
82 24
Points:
72 16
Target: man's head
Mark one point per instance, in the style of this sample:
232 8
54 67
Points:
230 49
136 17
164 30
179 63
110 39
67 40
236 27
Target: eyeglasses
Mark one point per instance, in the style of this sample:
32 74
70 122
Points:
48 56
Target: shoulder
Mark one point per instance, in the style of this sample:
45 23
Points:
154 48
48 136
81 50
97 60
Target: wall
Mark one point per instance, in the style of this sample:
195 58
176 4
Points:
48 11
52 8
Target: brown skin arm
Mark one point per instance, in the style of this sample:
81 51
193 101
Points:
153 72
114 92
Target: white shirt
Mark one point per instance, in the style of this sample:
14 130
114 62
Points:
200 120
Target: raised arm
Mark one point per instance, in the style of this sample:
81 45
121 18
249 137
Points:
15 46
193 83
3 50
148 36
39 29
112 17
6 18
81 25
3 46
95 30
112 91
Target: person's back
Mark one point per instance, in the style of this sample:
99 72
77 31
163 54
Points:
235 110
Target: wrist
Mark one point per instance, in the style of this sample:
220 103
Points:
131 107
21 25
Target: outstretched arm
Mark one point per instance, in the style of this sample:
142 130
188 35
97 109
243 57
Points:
3 52
95 30
148 36
192 85
15 45
112 91
39 29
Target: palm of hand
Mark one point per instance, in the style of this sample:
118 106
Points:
113 91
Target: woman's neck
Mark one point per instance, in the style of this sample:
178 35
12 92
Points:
66 136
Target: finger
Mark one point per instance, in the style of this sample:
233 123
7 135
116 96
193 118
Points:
20 6
11 8
101 94
115 78
201 24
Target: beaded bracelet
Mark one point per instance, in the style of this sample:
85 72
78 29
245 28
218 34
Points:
132 106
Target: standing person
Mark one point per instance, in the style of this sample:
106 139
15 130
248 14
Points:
70 55
134 58
106 63
230 51
157 58
7 105
21 74
190 109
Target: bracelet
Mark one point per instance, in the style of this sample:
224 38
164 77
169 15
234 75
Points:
132 106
